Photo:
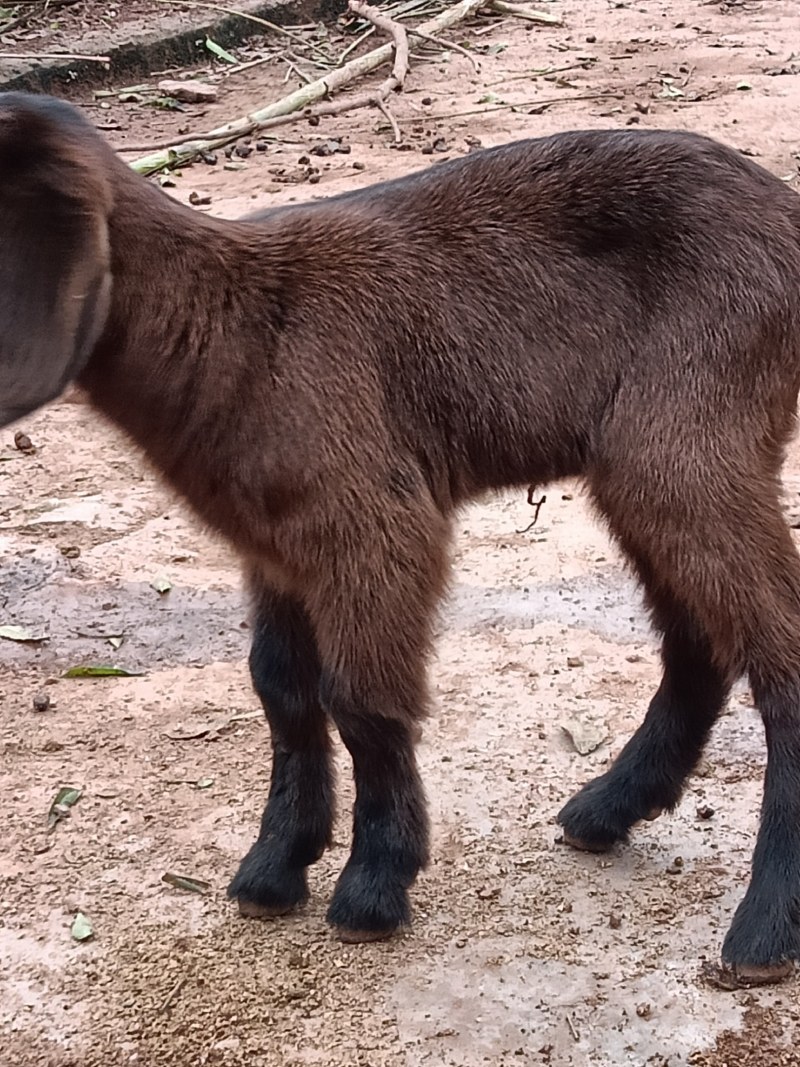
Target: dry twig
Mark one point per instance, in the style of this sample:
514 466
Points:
549 102
450 46
518 11
54 55
297 105
397 78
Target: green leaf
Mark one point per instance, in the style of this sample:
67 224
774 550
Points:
20 633
161 585
219 51
190 885
81 929
62 802
100 672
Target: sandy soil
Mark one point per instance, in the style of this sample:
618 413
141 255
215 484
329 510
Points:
522 952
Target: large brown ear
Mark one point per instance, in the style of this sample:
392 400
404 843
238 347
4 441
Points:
55 275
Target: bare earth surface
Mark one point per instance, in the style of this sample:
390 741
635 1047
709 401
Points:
522 951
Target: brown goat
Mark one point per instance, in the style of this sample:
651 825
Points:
326 384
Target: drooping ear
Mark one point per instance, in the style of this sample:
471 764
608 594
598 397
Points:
55 275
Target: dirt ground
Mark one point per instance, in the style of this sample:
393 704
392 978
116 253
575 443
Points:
522 952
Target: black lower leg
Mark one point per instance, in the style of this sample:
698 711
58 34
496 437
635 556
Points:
649 774
297 821
765 933
390 827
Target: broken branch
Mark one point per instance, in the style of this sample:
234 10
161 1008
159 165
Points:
449 45
55 55
518 11
297 105
399 37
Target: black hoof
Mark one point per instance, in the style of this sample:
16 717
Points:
265 887
723 976
367 906
594 819
763 942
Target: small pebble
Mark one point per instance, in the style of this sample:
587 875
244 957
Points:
41 702
704 811
24 443
574 661
614 921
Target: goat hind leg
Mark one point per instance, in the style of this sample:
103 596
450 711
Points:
721 548
649 774
763 942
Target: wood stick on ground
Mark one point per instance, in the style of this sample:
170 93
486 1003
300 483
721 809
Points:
55 55
448 46
384 107
537 72
354 45
607 94
397 78
294 107
502 7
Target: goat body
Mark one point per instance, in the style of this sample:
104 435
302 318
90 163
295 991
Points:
326 384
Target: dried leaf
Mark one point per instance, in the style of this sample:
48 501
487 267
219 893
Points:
190 885
23 635
81 929
192 735
671 90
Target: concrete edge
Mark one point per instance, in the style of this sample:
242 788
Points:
174 45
